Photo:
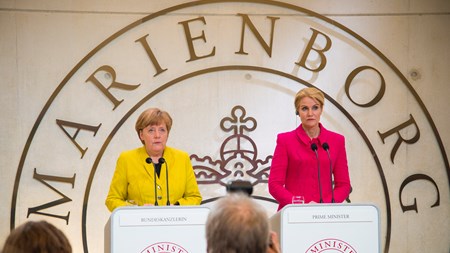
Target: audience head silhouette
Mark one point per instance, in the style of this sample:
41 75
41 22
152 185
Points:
37 237
237 224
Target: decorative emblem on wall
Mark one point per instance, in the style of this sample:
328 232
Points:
238 154
398 163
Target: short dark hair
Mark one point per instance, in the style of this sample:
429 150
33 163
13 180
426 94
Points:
37 236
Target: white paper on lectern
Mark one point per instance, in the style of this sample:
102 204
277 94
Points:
346 228
154 229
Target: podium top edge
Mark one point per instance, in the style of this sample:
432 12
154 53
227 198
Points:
331 205
127 208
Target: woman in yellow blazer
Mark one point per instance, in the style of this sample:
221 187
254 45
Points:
144 172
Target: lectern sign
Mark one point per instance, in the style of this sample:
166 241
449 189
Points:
172 229
344 228
227 72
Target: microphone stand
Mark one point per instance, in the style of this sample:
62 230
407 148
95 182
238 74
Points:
149 161
314 148
161 161
326 147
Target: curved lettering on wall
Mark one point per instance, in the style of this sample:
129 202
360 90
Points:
81 123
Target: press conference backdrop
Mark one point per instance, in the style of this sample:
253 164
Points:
227 72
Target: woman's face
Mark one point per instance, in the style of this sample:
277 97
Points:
154 138
309 111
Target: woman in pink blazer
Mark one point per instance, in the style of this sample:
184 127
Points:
294 170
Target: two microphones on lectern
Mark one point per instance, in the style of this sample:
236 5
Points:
161 161
326 147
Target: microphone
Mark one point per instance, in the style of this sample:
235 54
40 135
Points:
149 161
326 147
161 161
314 148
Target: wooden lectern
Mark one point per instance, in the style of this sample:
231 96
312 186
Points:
156 229
309 228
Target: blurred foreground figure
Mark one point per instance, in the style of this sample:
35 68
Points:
238 224
37 237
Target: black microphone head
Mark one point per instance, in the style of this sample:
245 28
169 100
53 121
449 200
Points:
148 160
325 146
161 160
314 147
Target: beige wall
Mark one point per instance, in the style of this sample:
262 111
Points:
42 41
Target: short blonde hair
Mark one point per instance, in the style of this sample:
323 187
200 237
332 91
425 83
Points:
153 116
311 92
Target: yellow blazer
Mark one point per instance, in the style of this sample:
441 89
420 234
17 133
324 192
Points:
134 181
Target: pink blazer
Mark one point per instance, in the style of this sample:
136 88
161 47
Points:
294 169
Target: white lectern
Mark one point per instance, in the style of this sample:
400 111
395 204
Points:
308 228
156 229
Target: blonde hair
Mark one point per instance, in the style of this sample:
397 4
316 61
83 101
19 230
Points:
311 92
153 116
